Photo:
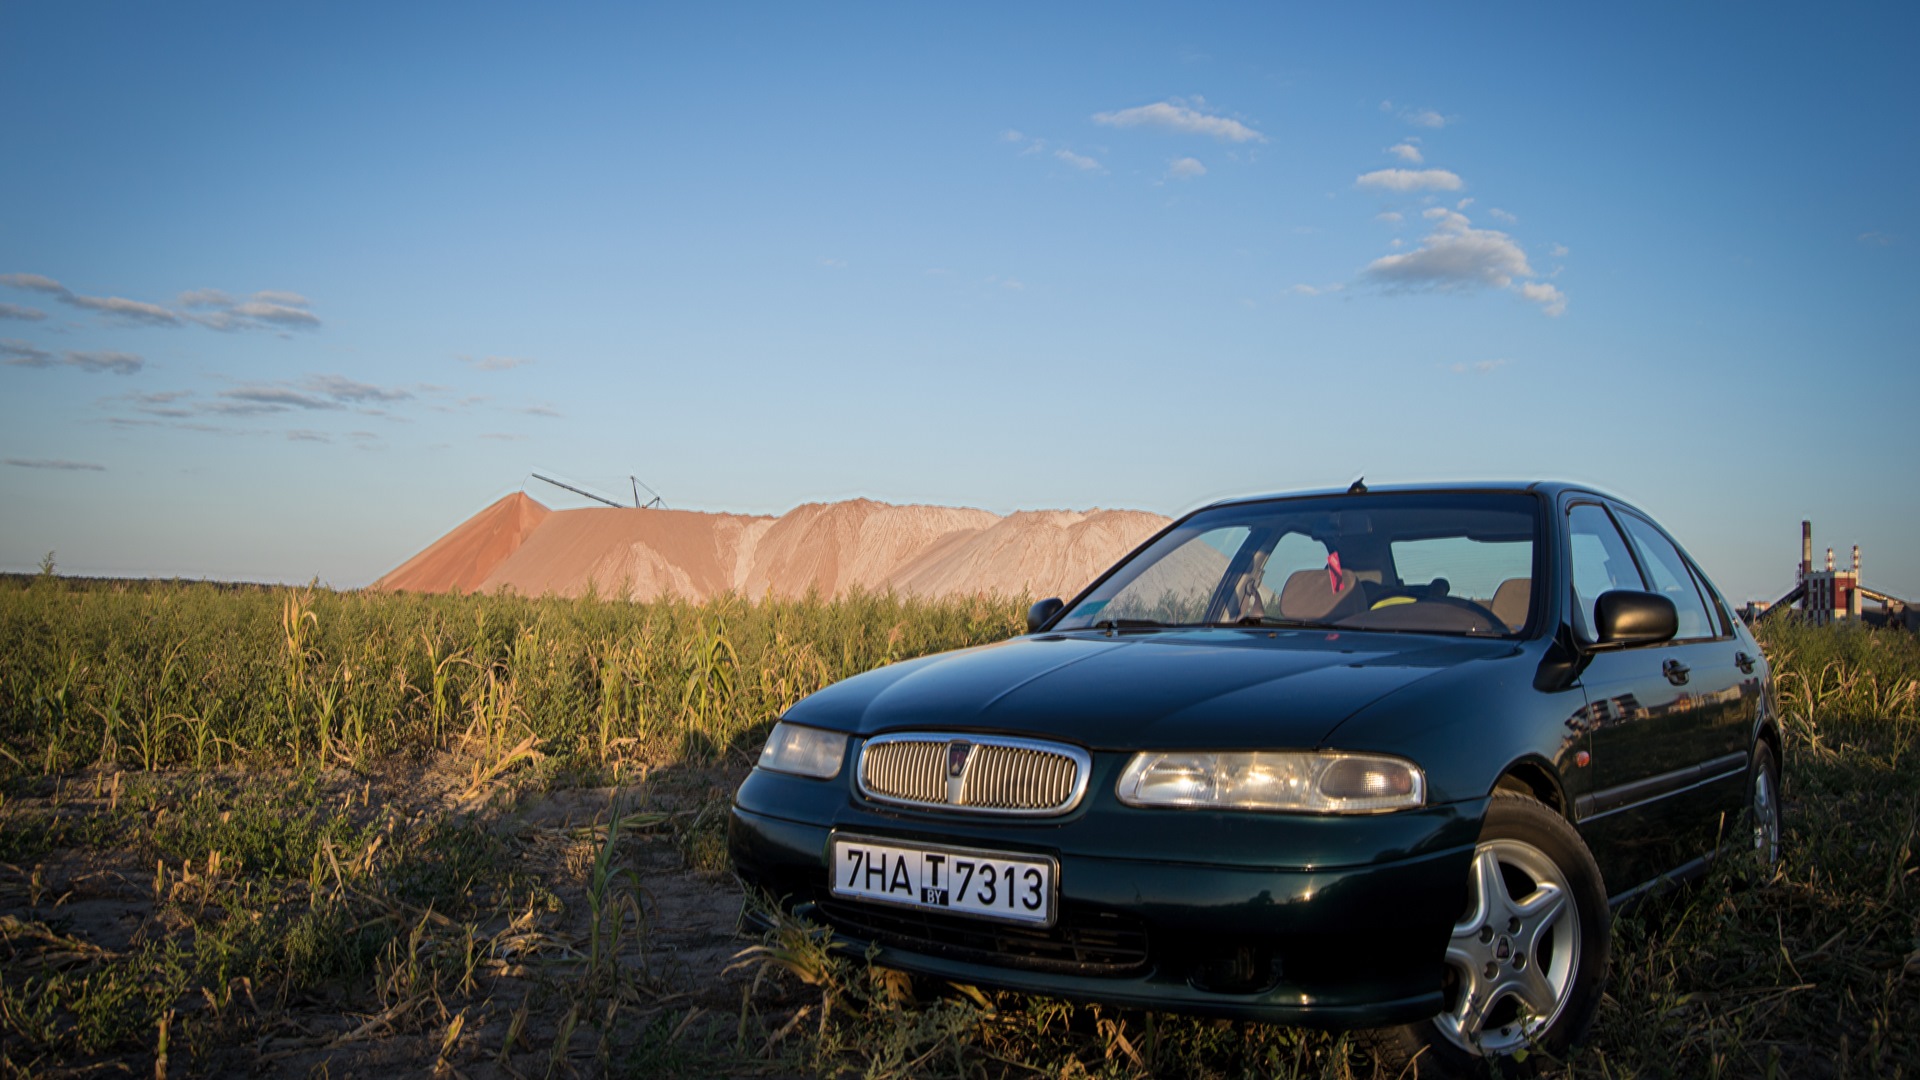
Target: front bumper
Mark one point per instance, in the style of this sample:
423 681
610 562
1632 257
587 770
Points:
1334 923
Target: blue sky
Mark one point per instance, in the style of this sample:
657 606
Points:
287 291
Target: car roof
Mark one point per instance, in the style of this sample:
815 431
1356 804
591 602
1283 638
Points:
1551 489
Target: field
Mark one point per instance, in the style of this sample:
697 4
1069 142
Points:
254 830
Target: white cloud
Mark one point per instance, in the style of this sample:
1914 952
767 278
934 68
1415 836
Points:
1425 118
317 393
21 354
1407 152
124 310
55 463
1186 168
1464 203
24 314
1498 214
1479 367
1404 180
197 298
34 282
340 388
1389 215
1027 143
1877 239
255 399
278 314
117 363
540 410
1558 251
1455 257
833 264
220 311
1315 290
1177 116
1551 300
1078 161
495 363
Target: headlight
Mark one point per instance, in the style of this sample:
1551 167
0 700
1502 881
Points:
803 751
1323 783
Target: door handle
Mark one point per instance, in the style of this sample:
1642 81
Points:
1744 662
1675 671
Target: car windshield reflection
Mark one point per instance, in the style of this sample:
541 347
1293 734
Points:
1426 562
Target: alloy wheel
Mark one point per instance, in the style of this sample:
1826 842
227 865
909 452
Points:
1514 954
1766 817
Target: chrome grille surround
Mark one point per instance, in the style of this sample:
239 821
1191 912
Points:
997 774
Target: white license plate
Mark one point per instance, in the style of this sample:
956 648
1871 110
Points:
957 881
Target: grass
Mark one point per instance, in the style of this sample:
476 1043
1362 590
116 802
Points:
298 830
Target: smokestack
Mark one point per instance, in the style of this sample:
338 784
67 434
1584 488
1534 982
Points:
1829 560
1856 562
1806 548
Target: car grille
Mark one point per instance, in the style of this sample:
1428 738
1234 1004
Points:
983 774
1080 943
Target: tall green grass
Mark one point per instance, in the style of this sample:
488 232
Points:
148 677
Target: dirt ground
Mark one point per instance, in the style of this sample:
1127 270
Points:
548 953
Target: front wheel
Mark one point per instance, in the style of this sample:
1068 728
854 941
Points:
1527 961
1763 804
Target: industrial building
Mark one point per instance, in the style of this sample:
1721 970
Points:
1828 595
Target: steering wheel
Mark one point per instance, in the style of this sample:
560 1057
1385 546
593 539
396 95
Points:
1435 592
1494 622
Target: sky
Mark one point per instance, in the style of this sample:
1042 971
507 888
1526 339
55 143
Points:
288 291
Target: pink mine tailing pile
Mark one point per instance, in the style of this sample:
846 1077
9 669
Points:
928 551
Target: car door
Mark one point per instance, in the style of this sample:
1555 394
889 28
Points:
1656 714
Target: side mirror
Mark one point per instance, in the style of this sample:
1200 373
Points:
1043 612
1628 617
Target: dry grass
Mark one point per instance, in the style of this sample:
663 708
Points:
294 830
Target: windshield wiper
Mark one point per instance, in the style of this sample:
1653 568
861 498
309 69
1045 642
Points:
1110 625
1272 622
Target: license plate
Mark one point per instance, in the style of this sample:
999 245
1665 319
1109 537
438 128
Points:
957 881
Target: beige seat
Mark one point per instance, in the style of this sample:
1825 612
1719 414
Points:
1309 596
1510 601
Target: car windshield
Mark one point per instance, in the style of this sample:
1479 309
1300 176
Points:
1426 562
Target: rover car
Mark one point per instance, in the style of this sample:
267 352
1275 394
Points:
1378 759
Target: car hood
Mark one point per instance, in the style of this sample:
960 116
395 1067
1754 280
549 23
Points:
1205 688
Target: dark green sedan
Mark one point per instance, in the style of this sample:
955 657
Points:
1379 759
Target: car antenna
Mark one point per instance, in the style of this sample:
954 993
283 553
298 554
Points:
1359 486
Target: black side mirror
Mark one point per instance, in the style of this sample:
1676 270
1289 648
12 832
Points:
1629 617
1043 612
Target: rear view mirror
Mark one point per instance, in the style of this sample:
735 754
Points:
1628 617
1043 612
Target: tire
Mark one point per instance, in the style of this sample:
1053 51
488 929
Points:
1537 918
1763 805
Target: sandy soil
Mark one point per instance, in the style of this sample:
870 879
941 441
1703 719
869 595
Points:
463 558
929 551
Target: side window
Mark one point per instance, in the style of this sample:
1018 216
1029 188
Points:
1601 562
1714 598
1295 552
1671 578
